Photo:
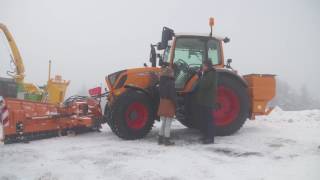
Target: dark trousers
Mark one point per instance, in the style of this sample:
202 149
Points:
207 121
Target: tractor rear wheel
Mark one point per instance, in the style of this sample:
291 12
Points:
232 111
233 105
132 115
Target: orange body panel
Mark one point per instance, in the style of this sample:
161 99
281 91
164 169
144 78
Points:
261 90
142 77
41 117
137 77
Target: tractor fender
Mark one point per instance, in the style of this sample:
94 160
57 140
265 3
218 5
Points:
150 92
227 72
136 88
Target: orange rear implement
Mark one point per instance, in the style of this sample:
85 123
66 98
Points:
262 89
28 120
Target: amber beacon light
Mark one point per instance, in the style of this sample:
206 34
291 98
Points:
211 24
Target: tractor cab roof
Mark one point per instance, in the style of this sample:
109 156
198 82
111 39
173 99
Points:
168 34
205 35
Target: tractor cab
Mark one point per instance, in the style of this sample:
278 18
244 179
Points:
186 52
189 51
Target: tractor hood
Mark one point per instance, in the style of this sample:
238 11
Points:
137 77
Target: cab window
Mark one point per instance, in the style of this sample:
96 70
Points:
214 51
190 50
166 54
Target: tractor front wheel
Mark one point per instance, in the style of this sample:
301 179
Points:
132 115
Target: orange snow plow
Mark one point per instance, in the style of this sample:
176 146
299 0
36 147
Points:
28 120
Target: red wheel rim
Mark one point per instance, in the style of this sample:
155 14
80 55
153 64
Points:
229 106
136 115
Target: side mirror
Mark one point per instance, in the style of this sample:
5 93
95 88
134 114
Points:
226 40
153 56
229 61
167 35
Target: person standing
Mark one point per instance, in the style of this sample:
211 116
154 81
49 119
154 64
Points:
167 106
205 99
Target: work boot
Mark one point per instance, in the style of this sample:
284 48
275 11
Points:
208 141
160 140
167 142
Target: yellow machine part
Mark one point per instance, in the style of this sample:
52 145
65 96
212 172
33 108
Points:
31 88
17 59
56 89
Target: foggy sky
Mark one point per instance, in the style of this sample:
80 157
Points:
88 39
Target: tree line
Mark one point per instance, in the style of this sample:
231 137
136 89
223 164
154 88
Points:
291 99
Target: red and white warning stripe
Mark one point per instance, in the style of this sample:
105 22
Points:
4 113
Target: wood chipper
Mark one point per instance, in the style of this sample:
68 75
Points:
29 112
133 93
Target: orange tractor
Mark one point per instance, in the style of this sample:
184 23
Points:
133 96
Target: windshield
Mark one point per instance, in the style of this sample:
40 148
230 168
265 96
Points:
192 51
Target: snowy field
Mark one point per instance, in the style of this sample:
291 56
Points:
284 145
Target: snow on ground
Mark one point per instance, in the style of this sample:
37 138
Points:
284 145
